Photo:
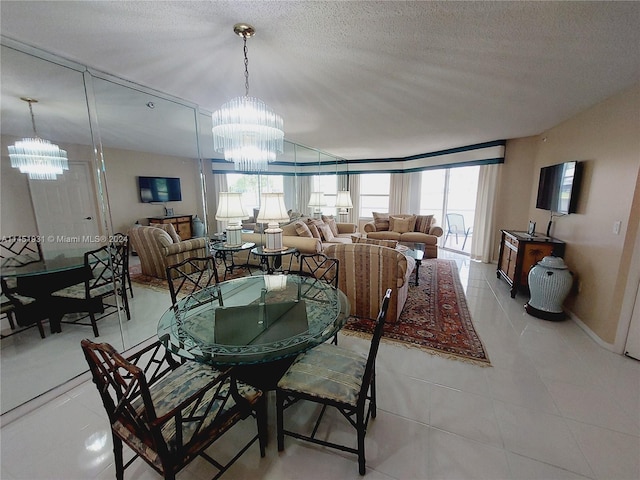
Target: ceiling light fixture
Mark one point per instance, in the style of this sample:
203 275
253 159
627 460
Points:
40 159
248 132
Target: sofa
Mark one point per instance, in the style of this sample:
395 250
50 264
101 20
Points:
366 271
406 228
308 235
159 246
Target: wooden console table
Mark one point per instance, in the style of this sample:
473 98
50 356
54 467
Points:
519 252
182 224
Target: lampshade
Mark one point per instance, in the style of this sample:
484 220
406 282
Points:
248 132
316 201
273 211
40 159
230 210
343 200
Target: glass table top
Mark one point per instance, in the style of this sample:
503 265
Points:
254 319
52 261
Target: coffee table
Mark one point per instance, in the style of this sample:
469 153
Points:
414 251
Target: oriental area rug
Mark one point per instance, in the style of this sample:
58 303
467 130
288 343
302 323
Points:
435 317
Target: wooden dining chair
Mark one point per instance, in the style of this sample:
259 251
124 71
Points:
123 239
20 250
169 413
21 309
104 277
191 275
322 268
333 376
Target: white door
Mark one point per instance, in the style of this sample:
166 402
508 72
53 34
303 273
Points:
65 209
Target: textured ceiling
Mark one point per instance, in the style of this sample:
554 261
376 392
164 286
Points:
359 79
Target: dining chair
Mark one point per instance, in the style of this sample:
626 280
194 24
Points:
191 275
169 412
456 226
105 277
334 376
21 309
322 268
123 239
20 250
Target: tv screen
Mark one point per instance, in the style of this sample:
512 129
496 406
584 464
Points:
159 189
559 187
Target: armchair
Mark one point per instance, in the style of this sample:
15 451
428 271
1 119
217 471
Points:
367 271
158 248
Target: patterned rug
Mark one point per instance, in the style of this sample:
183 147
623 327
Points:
435 317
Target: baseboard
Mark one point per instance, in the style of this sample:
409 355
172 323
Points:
592 335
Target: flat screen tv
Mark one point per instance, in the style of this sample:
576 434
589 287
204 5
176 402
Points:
159 189
559 187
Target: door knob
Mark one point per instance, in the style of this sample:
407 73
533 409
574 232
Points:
88 218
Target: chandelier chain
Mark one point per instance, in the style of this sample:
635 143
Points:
246 68
33 119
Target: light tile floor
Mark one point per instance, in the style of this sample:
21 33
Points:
554 405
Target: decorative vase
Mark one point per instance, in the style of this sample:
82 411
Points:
198 227
549 283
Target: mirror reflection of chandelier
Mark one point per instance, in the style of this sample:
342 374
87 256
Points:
40 159
248 132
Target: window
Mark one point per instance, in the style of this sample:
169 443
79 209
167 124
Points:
251 186
327 184
374 193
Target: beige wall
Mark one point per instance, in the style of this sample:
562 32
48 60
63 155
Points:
607 138
122 169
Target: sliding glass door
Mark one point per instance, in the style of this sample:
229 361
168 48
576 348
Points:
450 195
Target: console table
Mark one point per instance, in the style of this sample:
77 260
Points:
519 252
182 224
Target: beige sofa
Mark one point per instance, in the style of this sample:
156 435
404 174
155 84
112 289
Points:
160 246
406 228
305 241
366 271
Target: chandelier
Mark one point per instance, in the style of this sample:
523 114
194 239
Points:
40 159
248 132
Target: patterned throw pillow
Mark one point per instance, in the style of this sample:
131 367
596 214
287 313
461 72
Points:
402 224
313 228
325 231
374 241
170 229
290 229
302 230
381 221
331 221
423 223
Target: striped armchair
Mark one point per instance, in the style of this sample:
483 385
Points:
157 248
367 271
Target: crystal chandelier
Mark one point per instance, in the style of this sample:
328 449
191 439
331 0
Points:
248 132
40 159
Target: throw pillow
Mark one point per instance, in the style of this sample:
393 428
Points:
329 220
313 227
402 224
302 229
325 231
290 229
374 241
423 223
170 229
381 221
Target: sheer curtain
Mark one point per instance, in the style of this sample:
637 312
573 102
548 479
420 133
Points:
400 193
483 222
354 190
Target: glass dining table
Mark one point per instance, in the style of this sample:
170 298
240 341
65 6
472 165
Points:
257 323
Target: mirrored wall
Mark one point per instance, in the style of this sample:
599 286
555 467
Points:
113 132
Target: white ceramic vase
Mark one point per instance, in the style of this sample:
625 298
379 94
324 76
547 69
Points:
549 284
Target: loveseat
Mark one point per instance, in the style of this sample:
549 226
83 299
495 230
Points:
366 271
160 246
406 228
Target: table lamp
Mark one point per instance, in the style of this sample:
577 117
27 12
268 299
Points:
316 201
343 202
230 210
273 211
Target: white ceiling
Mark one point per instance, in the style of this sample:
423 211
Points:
359 79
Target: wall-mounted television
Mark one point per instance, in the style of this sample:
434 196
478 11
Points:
159 189
559 187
